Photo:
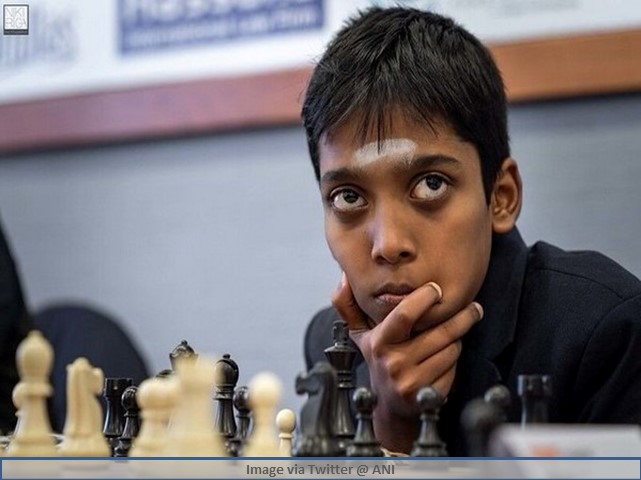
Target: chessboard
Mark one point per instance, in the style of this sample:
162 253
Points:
197 409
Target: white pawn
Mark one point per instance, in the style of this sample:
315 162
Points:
191 429
286 423
264 393
83 426
33 435
157 398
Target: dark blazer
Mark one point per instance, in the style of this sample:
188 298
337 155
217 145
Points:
14 325
573 315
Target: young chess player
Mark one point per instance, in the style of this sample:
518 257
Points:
405 116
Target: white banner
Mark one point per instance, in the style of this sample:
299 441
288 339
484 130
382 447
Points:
78 46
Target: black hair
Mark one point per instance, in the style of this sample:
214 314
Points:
423 63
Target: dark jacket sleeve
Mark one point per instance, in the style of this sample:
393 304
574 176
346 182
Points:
14 325
609 375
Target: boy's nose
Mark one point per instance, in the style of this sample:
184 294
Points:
392 239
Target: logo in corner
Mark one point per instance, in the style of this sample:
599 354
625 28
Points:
15 19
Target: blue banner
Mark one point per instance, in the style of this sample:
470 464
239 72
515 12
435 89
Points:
148 25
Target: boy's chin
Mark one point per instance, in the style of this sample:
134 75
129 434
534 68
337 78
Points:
375 311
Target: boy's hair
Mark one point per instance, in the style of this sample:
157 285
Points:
421 63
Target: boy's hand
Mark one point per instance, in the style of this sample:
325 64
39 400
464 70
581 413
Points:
402 361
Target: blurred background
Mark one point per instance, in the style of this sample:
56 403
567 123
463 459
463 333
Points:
152 162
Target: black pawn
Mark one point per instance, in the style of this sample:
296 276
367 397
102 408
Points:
132 422
227 378
479 419
499 396
341 356
365 443
114 415
428 443
535 392
241 402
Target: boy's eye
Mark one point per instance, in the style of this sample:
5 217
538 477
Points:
346 199
430 187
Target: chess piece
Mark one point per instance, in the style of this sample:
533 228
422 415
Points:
157 399
241 402
479 419
429 443
364 443
182 351
264 393
132 422
286 423
227 375
316 437
535 392
33 435
341 356
191 429
500 396
83 426
114 416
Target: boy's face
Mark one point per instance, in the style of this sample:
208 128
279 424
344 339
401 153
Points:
406 211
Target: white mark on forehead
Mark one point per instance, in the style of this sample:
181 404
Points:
392 149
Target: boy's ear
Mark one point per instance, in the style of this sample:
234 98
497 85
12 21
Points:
505 203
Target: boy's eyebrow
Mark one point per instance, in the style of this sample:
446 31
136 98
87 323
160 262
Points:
421 162
341 175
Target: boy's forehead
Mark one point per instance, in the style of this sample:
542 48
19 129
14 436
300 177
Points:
359 130
401 142
396 149
404 150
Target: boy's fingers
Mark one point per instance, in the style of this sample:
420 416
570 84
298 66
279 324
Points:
397 326
443 384
452 330
345 304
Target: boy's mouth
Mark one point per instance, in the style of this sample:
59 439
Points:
391 294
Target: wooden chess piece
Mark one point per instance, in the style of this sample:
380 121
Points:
191 429
499 396
33 435
429 443
535 392
83 426
286 423
365 443
115 415
264 393
479 419
157 399
227 375
341 356
241 402
180 352
316 438
132 422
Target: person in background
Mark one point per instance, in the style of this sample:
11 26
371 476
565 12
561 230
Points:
15 323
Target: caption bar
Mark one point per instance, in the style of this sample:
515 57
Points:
250 468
